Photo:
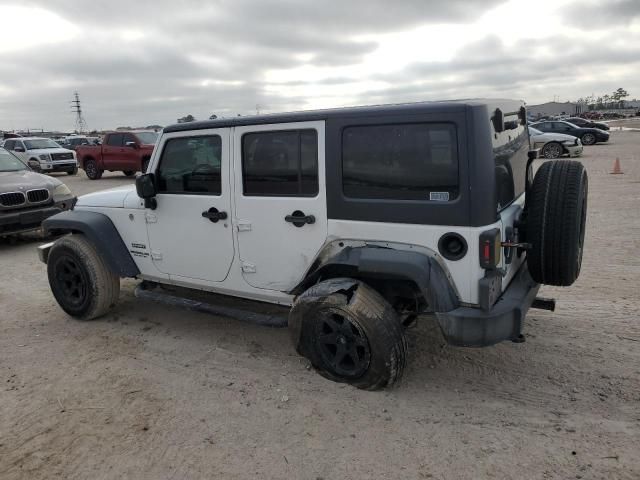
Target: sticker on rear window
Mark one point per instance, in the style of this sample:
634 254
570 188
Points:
439 196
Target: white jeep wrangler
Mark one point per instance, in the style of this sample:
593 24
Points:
359 218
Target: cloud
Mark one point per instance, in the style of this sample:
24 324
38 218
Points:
147 62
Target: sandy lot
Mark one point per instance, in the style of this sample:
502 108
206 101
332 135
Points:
153 392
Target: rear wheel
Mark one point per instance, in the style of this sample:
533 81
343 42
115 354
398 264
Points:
80 280
556 217
588 139
92 170
552 150
349 333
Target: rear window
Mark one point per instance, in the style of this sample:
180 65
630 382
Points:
511 168
416 161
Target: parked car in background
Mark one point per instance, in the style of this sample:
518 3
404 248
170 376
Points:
589 136
584 123
554 145
43 154
74 141
27 197
126 151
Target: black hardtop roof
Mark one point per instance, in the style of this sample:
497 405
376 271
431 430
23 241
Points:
362 111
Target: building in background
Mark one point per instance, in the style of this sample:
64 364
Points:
555 108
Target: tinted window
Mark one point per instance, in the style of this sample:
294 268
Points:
9 144
115 140
280 163
404 162
191 165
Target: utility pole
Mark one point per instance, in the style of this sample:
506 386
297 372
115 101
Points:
76 108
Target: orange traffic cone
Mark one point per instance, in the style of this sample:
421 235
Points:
616 168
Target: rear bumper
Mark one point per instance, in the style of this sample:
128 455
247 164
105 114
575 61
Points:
474 327
23 221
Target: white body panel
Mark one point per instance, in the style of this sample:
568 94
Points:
275 253
182 242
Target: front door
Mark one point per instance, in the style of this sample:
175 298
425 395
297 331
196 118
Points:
190 232
281 208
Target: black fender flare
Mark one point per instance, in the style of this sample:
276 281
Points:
101 232
384 263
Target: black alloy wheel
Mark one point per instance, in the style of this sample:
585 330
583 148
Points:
71 281
342 345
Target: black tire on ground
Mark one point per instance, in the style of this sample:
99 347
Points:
556 216
79 278
129 173
350 333
588 139
552 150
92 170
73 172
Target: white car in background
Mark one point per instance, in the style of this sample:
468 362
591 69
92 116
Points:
554 145
43 154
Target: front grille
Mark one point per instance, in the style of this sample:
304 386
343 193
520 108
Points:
39 195
62 156
12 199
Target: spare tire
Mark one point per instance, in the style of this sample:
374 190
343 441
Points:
556 214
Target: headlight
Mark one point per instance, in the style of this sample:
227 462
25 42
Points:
569 142
61 190
46 157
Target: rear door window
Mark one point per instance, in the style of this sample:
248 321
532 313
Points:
400 162
280 163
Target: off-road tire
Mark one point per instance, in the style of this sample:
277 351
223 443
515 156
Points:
377 330
555 225
129 173
100 286
92 170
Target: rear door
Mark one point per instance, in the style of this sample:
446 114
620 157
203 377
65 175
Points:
281 208
190 231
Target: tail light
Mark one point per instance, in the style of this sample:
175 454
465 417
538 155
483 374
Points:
490 248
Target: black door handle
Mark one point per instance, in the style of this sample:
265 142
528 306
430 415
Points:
214 215
299 219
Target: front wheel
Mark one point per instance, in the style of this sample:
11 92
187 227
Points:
80 280
552 150
350 333
588 139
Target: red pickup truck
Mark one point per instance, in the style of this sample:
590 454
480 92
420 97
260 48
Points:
128 152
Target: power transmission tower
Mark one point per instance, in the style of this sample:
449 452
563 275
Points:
76 108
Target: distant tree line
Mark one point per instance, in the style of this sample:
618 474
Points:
613 100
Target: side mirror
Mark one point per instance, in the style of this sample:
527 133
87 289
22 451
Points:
131 144
18 149
146 186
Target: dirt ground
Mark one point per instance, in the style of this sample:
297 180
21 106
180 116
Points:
154 392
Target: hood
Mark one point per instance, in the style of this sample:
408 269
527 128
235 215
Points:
113 198
25 180
550 137
37 151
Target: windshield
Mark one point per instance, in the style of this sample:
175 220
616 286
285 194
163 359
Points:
9 163
534 131
40 143
147 138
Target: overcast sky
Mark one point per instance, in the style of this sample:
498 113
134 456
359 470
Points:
147 62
